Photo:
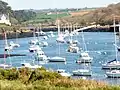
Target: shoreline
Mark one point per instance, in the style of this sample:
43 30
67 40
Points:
24 33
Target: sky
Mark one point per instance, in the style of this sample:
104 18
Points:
46 4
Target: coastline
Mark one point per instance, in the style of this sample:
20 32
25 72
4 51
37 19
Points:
24 33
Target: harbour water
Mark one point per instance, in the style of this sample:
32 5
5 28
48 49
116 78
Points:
100 46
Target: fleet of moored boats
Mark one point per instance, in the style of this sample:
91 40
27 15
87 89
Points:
84 57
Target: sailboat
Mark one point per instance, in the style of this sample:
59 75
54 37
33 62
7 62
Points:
73 48
118 47
34 41
60 38
15 44
114 64
7 47
58 58
5 66
84 56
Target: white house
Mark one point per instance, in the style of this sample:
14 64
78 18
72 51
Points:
5 19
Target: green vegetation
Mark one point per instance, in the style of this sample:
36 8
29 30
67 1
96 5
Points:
46 18
41 79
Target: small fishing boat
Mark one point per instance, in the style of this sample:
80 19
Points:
84 58
113 74
57 59
82 72
62 72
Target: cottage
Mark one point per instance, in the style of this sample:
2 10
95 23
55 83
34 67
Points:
4 19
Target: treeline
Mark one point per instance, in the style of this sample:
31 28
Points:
17 16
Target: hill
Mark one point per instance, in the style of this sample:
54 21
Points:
102 16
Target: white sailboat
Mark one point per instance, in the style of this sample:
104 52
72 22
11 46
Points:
34 41
118 47
84 56
58 58
16 43
7 47
60 38
114 64
6 66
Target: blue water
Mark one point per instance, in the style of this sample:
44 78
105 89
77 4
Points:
99 45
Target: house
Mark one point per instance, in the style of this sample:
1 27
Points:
4 19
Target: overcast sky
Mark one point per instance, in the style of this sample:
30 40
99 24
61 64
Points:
45 4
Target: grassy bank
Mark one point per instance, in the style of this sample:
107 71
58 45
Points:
41 79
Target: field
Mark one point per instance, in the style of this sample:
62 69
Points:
44 17
80 13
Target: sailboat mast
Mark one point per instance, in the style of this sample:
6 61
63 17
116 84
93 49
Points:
115 39
5 43
58 25
85 47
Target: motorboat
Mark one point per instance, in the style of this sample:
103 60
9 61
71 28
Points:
28 65
114 64
63 73
84 58
40 56
57 59
82 72
34 48
113 74
73 48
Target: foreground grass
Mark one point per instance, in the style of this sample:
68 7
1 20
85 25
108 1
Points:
40 79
